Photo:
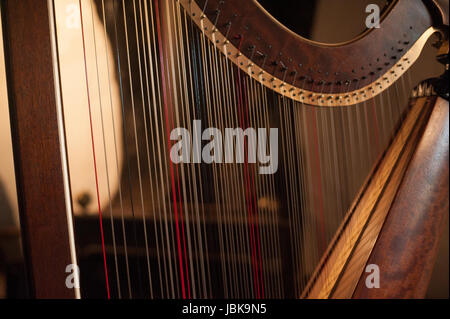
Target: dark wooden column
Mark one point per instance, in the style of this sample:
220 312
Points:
406 249
36 147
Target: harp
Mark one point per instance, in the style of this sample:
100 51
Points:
361 176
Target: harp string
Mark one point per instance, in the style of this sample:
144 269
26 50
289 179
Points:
168 119
200 101
187 247
225 221
116 162
328 171
184 176
105 150
254 215
93 152
243 229
167 264
173 98
259 214
145 135
185 123
134 203
247 187
292 182
148 132
221 229
127 148
196 167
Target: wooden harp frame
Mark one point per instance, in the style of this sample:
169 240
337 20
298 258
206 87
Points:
422 150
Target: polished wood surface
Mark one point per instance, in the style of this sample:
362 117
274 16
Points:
308 92
406 249
342 246
356 264
284 54
36 146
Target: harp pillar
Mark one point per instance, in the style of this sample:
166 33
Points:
37 145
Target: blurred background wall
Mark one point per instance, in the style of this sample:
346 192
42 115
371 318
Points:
12 275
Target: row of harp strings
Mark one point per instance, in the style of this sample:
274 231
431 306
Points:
195 230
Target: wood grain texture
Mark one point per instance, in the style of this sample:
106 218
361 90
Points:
301 91
36 146
285 55
406 249
356 263
333 262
